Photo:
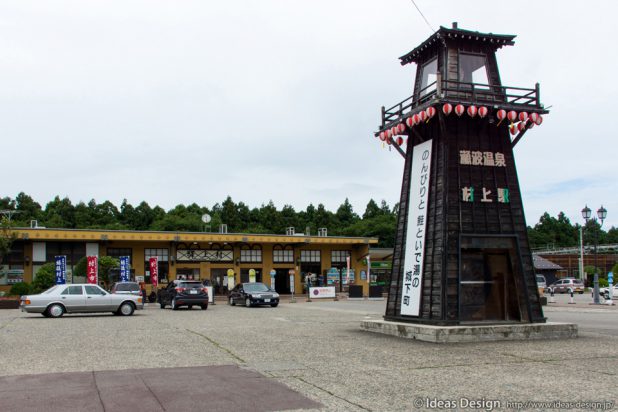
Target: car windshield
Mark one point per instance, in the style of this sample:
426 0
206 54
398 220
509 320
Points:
190 285
255 287
50 290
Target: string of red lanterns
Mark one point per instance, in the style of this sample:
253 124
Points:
524 119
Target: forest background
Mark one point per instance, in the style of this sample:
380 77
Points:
377 220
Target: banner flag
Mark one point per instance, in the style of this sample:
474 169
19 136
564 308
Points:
92 271
61 270
154 271
124 268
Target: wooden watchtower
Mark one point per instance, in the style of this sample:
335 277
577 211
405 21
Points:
461 250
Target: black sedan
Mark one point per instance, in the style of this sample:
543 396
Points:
253 294
184 293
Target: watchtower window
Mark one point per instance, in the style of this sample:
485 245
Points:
472 69
429 76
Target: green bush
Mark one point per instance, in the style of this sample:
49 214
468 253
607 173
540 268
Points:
45 278
603 283
19 289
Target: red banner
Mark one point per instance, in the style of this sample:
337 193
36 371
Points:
154 271
92 270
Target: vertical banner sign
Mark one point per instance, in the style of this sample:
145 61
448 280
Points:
61 270
230 279
347 272
154 271
369 269
414 253
124 268
92 271
291 273
252 275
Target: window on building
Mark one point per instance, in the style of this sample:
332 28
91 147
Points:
429 76
473 69
118 252
283 254
310 256
339 256
251 254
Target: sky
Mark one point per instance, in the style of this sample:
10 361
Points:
191 101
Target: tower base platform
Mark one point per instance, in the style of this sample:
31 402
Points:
472 333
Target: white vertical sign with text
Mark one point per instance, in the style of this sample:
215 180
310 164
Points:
414 252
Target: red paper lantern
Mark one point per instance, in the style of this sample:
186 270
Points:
459 109
383 136
501 114
399 140
389 140
409 122
401 128
533 117
523 117
539 120
388 132
513 129
447 108
521 126
483 111
422 116
512 116
430 112
415 119
472 111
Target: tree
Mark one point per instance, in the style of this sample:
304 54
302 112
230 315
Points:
45 278
345 215
60 213
7 237
372 210
106 264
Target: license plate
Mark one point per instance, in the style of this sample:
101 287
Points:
193 292
266 300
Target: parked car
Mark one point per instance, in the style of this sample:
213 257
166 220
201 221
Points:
79 298
566 285
605 292
253 294
128 288
184 293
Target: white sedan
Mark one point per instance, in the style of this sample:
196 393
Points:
79 298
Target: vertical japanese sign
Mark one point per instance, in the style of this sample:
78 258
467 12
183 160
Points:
61 270
347 271
124 268
92 272
154 271
369 269
414 253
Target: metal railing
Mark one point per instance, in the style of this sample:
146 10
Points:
465 93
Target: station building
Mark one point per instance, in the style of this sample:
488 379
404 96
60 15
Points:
197 256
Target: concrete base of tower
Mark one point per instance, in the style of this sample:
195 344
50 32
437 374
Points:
472 333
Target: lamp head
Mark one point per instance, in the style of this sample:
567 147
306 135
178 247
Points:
586 212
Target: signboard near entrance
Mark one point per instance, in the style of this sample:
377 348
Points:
322 292
417 215
230 279
273 274
252 275
291 272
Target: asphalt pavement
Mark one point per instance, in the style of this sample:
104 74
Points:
312 353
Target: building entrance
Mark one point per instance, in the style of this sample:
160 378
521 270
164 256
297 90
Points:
488 287
282 281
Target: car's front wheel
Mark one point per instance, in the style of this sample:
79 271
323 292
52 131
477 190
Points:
126 309
162 305
274 305
248 302
205 306
55 311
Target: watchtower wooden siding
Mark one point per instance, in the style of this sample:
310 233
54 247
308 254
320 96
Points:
449 218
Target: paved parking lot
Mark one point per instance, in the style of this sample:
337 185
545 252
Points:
317 350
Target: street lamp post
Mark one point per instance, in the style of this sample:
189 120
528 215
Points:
602 214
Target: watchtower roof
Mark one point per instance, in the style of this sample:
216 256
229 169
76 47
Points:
496 41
